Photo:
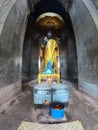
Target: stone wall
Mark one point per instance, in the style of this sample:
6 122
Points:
96 3
13 22
84 17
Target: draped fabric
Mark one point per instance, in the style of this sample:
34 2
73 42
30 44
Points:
50 53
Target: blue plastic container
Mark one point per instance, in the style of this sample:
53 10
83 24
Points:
57 113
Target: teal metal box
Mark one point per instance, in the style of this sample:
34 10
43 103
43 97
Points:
51 92
41 93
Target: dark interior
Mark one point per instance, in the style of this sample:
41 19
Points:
68 53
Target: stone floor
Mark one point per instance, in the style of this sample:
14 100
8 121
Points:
81 107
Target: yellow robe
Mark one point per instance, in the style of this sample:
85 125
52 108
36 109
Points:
51 53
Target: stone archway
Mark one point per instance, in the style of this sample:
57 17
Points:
13 22
85 24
